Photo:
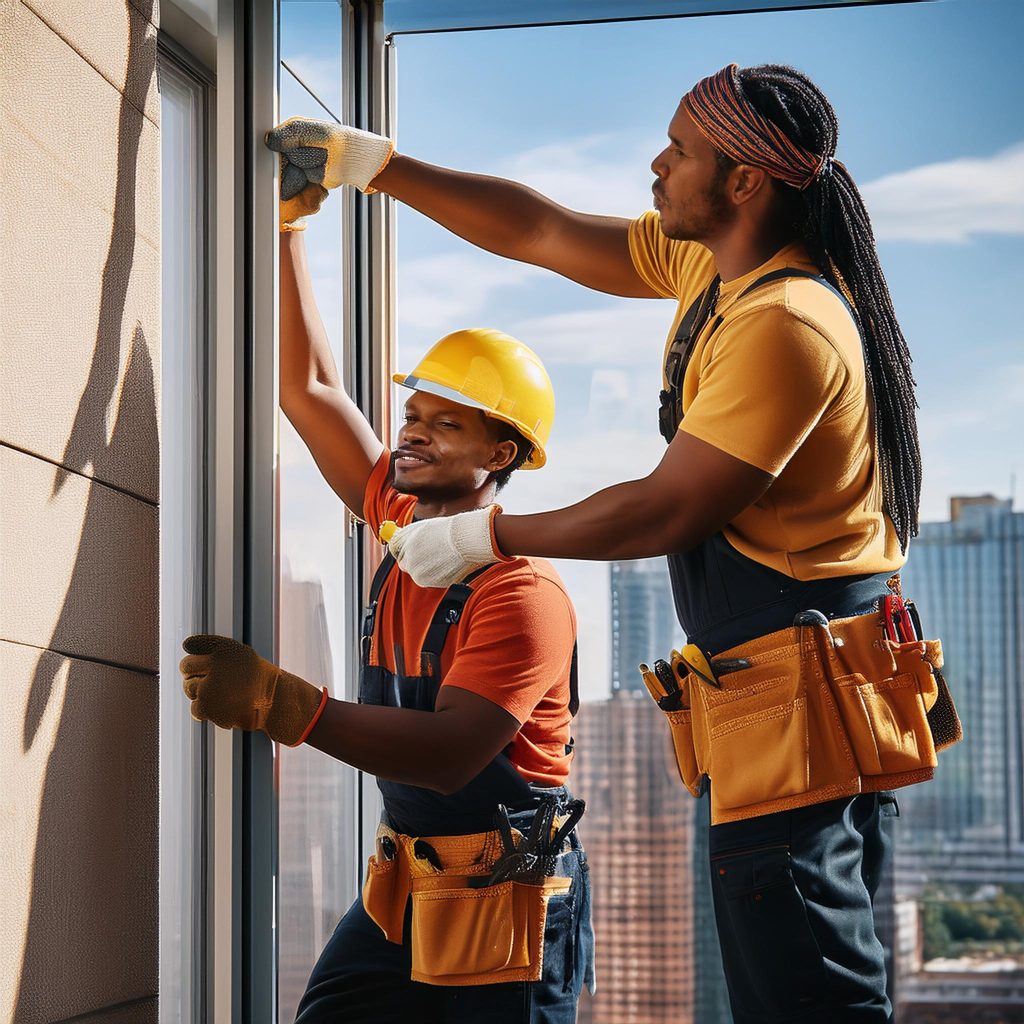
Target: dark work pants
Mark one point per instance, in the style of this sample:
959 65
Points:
793 894
361 978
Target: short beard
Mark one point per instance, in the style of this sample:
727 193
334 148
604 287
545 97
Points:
717 213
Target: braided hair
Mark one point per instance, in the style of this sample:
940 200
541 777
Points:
829 215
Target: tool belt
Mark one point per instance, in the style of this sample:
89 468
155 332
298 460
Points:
809 713
479 902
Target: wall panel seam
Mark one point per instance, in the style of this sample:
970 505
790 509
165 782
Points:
84 1018
71 46
150 502
123 666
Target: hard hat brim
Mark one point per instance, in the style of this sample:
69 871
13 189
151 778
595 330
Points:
537 457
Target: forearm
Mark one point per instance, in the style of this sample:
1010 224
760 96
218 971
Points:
621 522
306 356
502 216
397 744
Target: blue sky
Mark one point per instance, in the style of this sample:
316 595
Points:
929 105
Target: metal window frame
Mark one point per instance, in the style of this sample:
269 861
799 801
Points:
185 62
413 16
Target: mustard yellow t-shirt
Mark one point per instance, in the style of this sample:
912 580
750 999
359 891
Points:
781 385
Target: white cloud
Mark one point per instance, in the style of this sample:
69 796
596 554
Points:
437 294
950 201
626 333
607 173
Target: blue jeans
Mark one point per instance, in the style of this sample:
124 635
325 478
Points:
793 894
361 977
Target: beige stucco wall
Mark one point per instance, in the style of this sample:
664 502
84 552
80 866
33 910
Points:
79 474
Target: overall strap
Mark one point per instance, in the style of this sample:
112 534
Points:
574 682
370 615
691 327
447 613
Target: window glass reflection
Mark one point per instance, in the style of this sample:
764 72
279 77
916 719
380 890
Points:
317 866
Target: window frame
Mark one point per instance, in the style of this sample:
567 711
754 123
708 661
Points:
188 974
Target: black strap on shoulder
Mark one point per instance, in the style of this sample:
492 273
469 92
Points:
691 327
574 682
370 615
678 357
447 613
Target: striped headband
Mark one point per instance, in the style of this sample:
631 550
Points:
731 123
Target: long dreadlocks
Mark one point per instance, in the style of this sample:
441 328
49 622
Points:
829 214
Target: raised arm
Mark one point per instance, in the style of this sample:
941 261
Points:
513 220
499 215
313 396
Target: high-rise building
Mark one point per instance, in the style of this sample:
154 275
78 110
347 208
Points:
312 816
967 578
644 625
657 949
638 832
961 836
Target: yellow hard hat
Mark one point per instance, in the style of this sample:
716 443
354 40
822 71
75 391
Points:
491 371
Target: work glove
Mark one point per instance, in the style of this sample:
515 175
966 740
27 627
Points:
327 154
230 685
293 212
439 552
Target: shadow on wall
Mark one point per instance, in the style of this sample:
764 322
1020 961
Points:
91 934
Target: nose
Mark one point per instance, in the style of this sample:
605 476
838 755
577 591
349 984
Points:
413 433
658 165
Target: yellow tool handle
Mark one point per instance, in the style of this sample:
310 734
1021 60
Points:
697 660
387 530
651 681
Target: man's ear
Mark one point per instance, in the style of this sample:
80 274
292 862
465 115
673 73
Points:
503 456
747 182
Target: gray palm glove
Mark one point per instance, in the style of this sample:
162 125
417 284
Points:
327 154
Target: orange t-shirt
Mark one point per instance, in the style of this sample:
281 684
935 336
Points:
513 644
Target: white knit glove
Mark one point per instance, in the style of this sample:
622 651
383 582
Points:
439 552
327 154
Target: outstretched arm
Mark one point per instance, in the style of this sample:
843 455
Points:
513 220
695 490
499 215
313 396
230 685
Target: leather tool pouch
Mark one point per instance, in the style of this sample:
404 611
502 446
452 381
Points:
886 712
811 720
479 936
386 886
681 725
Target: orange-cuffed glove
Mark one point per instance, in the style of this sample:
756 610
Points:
230 685
292 213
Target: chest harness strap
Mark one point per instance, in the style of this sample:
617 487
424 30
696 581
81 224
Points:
670 413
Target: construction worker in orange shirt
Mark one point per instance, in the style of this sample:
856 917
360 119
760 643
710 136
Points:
476 903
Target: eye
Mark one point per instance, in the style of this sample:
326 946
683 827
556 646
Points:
448 424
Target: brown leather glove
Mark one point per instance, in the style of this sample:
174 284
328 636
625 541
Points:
230 685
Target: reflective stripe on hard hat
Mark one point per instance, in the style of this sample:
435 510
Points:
488 370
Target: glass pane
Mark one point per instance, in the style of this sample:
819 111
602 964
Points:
317 865
578 113
182 536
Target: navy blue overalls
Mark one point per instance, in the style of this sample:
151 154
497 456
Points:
360 976
806 950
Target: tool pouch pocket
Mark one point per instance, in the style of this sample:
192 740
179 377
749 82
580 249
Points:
465 936
386 888
886 718
758 740
681 725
